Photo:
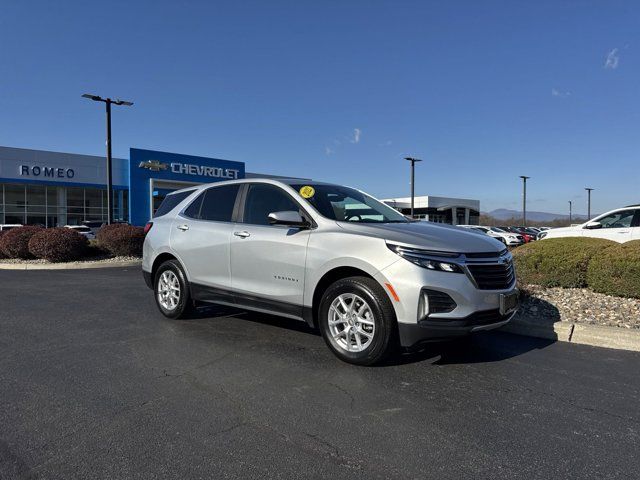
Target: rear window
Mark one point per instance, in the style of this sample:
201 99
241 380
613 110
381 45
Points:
170 202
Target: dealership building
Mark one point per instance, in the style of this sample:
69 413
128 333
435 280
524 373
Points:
454 211
53 189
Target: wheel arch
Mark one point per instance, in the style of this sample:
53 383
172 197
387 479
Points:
159 260
329 277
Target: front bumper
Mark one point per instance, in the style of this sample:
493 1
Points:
475 308
412 334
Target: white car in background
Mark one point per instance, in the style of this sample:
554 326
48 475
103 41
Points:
620 225
82 230
508 238
9 226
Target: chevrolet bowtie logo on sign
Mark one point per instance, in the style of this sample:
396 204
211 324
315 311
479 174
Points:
154 165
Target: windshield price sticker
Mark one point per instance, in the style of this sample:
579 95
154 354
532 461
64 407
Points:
307 191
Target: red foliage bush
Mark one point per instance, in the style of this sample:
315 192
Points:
58 245
2 232
15 243
121 239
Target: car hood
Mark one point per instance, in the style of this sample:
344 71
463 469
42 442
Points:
427 235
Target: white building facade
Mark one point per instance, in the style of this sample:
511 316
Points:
453 211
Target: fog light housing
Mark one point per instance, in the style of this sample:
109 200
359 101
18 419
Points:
433 301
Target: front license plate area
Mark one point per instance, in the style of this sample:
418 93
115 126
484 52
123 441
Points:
508 302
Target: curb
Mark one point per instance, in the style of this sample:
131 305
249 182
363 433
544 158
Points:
68 266
584 334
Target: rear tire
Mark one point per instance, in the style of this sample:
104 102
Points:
357 321
171 290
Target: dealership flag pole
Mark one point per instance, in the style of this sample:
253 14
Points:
108 103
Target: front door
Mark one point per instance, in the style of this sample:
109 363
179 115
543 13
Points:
268 261
615 226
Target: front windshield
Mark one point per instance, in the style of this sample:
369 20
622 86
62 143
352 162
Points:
497 229
346 204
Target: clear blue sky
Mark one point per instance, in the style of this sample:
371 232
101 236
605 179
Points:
342 90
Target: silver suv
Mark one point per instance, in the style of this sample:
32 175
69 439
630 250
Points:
367 277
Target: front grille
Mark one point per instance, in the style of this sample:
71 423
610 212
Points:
486 254
497 276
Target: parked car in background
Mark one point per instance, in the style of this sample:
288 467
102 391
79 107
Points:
527 236
9 226
94 225
620 225
329 255
507 238
83 230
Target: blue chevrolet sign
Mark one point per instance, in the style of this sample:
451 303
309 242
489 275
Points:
151 170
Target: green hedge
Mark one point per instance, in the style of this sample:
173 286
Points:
558 262
616 271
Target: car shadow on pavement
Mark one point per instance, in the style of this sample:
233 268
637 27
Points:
480 347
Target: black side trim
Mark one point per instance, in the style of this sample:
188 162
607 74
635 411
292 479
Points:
205 293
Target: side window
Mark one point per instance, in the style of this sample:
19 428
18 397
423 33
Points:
263 199
170 202
621 219
215 204
193 210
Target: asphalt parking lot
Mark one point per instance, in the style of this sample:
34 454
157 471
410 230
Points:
95 383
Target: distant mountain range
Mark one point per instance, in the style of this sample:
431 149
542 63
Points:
506 214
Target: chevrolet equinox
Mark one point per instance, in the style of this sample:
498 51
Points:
367 277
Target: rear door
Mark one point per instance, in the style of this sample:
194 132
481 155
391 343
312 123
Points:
268 261
200 237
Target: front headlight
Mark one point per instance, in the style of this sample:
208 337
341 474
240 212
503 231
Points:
429 259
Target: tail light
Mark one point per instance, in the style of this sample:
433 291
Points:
147 227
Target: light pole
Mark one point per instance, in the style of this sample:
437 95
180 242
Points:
570 208
108 103
589 190
413 167
524 199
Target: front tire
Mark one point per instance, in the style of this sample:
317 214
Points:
357 321
171 290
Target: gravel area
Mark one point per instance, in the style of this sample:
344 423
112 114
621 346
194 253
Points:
579 305
101 259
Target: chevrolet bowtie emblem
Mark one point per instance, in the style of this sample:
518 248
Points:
154 165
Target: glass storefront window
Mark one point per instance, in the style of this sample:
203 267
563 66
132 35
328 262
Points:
75 197
58 206
36 195
14 194
52 196
14 214
93 198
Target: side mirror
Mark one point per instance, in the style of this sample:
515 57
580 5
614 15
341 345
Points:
593 225
289 218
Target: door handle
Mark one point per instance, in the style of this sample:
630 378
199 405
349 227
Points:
184 228
242 234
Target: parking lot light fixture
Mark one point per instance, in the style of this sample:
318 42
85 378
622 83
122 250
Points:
589 190
108 102
413 167
524 199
